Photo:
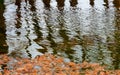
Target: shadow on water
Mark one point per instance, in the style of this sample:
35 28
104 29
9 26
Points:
78 30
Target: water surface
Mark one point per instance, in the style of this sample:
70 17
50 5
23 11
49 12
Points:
78 30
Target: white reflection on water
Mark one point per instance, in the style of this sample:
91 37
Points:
99 4
84 30
53 4
24 41
83 4
10 18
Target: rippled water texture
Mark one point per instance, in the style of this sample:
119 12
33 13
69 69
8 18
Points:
79 30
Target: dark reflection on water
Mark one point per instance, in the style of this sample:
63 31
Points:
78 30
116 47
92 3
73 3
117 3
60 4
106 3
46 3
3 46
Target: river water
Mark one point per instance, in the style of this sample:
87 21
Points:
78 30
